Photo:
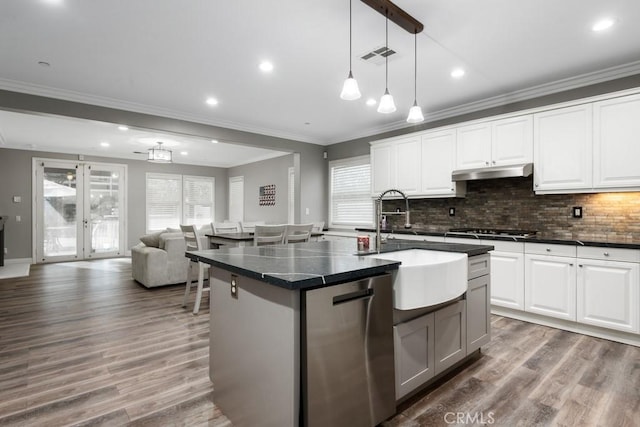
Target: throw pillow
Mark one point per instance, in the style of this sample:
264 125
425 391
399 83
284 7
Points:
152 239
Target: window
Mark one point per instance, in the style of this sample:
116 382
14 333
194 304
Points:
350 201
173 200
236 198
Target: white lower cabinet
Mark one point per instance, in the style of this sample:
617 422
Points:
507 279
414 355
550 286
607 294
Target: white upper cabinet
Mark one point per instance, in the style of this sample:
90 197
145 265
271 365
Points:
438 158
474 146
616 142
495 143
563 149
382 158
396 164
512 141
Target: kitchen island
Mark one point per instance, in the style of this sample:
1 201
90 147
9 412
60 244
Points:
265 361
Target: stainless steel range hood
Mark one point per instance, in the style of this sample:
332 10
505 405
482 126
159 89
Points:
511 171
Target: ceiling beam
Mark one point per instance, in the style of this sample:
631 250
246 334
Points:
396 15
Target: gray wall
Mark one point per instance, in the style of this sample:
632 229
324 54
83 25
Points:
267 172
313 177
360 146
16 173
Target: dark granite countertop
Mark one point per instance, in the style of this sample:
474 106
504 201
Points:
549 238
316 264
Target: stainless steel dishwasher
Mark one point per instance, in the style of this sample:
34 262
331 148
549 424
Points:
347 354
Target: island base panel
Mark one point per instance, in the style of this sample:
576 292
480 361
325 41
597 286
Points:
254 351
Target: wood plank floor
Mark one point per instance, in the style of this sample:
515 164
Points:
82 344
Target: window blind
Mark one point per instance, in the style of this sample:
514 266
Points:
198 200
164 201
351 203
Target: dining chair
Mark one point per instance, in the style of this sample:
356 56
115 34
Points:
249 226
269 234
297 233
225 227
193 242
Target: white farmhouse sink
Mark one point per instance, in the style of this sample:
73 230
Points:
426 278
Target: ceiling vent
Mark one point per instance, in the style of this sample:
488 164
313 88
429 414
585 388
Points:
377 55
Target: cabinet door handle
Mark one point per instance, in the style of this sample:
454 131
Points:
486 163
548 250
606 254
580 265
537 185
494 162
571 265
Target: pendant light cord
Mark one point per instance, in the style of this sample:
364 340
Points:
386 53
350 54
415 67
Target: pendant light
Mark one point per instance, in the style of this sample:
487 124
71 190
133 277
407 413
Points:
158 154
415 112
350 89
386 105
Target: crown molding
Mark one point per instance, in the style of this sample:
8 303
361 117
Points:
67 95
550 88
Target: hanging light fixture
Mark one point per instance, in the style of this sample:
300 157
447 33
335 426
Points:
415 112
158 154
386 104
350 90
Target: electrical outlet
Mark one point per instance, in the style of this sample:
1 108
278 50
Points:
452 211
18 218
577 211
234 286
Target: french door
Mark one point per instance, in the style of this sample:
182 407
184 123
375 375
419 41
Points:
79 210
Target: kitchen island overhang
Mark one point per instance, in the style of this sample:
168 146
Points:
257 333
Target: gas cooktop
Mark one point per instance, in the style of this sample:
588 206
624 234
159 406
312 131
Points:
494 232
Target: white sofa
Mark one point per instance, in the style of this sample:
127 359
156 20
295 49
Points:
164 265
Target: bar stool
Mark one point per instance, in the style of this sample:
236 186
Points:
193 244
269 235
225 227
297 233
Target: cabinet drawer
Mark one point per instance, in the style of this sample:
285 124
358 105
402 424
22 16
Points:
609 254
544 249
479 265
502 246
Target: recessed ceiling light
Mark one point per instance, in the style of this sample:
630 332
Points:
457 73
212 101
184 153
266 66
104 144
371 102
214 141
123 128
603 24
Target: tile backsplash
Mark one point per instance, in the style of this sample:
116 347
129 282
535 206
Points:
511 203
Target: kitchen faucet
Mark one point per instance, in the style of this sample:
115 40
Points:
379 213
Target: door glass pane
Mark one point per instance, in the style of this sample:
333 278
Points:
60 205
104 211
